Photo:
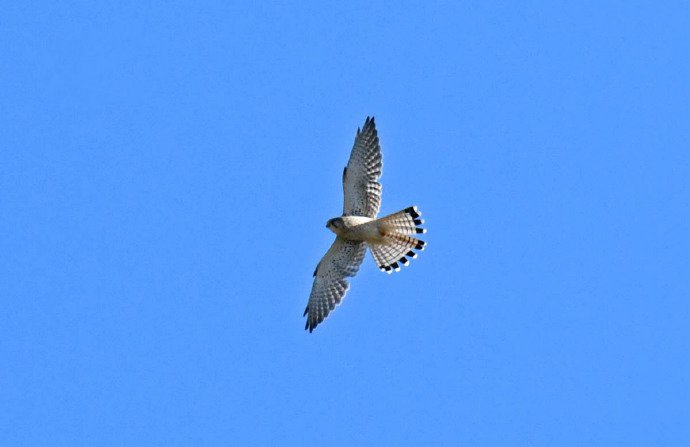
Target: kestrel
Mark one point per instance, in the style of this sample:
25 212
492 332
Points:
389 238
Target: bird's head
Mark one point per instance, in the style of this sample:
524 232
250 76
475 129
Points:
334 224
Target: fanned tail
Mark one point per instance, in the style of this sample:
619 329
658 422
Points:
398 246
406 221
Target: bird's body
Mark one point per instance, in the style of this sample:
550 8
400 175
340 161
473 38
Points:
389 238
356 228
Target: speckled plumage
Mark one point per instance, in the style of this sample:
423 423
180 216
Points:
389 238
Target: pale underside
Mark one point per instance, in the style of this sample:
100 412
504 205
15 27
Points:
358 228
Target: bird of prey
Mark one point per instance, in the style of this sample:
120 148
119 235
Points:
389 238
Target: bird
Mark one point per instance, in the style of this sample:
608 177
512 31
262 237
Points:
391 239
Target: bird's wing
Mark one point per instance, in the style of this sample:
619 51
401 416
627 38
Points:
330 284
360 177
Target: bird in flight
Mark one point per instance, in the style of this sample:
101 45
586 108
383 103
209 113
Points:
389 238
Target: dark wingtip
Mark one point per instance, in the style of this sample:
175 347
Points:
310 324
306 311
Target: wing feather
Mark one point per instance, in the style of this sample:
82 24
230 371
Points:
360 178
330 282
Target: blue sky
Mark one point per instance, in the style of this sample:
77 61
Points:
167 169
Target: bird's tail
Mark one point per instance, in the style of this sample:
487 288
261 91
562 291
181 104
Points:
398 245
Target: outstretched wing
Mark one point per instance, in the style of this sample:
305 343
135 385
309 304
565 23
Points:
330 284
360 177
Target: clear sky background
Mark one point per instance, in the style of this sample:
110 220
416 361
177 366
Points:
167 169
